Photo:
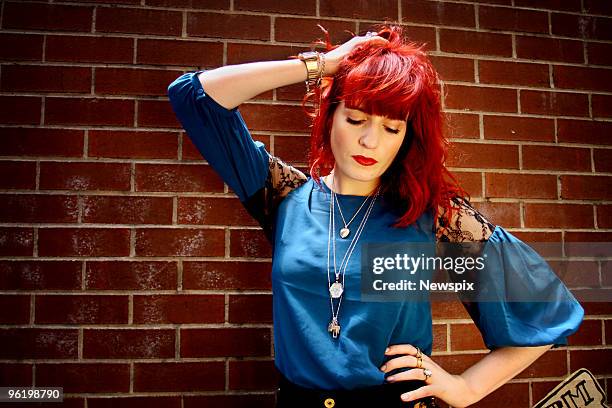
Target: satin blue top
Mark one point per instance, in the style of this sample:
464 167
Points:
304 350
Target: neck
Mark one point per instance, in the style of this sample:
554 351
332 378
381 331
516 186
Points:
350 187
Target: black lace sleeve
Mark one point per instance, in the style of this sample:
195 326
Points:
282 179
466 225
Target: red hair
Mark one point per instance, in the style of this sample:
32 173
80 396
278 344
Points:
397 80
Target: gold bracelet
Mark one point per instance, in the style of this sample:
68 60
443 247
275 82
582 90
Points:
315 64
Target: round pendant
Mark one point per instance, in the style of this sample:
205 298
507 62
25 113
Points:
335 290
344 232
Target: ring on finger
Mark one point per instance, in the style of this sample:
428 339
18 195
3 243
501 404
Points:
419 362
419 353
427 373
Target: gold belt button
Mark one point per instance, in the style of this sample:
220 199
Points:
329 403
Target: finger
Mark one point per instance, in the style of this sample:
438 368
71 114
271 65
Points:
414 374
401 349
422 392
399 362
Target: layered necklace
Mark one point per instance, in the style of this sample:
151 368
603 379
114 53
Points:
336 289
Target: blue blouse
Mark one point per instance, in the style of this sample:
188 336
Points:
297 226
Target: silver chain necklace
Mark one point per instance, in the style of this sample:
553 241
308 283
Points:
336 289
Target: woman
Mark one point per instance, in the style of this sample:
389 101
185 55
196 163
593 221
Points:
377 175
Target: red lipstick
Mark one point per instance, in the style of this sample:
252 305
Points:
365 161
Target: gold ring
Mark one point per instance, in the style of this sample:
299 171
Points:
419 362
427 373
419 353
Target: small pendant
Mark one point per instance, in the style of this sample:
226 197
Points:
344 232
335 290
334 328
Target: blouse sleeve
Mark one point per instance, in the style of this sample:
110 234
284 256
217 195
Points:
259 179
519 300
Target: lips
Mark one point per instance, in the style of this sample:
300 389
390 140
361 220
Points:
365 161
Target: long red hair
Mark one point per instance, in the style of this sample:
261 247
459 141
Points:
397 80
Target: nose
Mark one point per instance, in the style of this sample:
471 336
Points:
369 137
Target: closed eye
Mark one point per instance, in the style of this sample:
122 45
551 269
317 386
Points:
358 122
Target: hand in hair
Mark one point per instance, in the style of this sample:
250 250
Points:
335 56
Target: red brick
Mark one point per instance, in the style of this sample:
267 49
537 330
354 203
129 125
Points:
106 50
596 361
79 377
21 47
123 275
519 128
513 395
581 26
483 155
250 309
27 208
16 241
175 52
584 131
127 210
156 114
179 377
597 7
457 363
14 309
597 308
569 5
249 243
207 4
242 53
81 309
133 144
448 310
33 275
252 375
180 242
540 389
507 2
138 21
554 103
292 149
218 25
596 79
521 185
513 73
212 211
125 81
235 342
177 178
30 343
220 275
135 402
472 182
589 334
84 176
549 49
270 6
33 78
305 30
481 99
608 327
41 142
19 375
454 69
380 10
575 274
602 105
22 110
558 215
83 242
112 1
599 53
439 337
604 216
274 117
179 309
586 187
466 337
509 19
556 158
438 13
506 214
53 17
229 401
130 343
89 111
462 125
471 42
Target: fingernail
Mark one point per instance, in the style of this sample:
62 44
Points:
387 350
390 378
405 397
383 368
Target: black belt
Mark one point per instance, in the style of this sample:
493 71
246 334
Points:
387 395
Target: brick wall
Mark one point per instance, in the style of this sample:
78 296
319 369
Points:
127 268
